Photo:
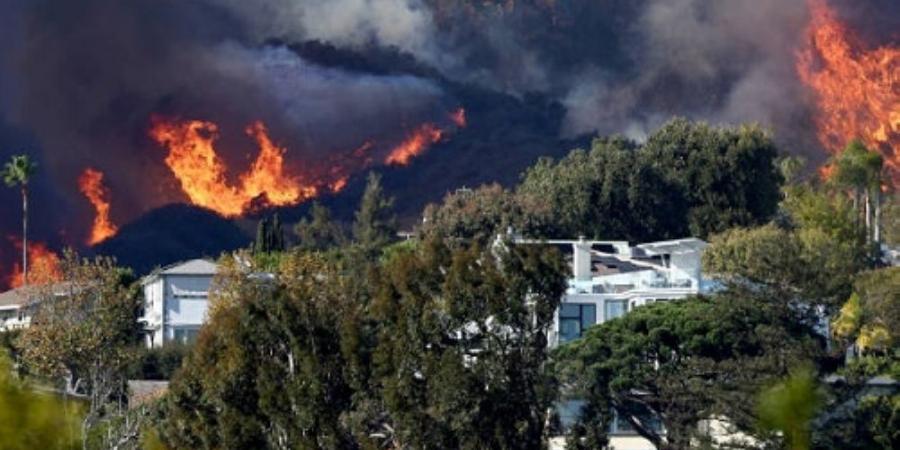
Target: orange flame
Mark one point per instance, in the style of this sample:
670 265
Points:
857 89
414 144
459 117
201 173
43 265
91 185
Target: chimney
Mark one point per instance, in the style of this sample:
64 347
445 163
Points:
581 259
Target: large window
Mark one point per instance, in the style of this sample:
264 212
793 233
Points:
614 308
574 318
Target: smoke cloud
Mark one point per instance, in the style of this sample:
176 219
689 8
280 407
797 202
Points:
79 80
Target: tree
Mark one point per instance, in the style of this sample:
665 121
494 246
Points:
461 355
269 235
319 232
375 224
82 333
274 366
689 178
477 215
860 170
18 172
682 362
32 420
790 406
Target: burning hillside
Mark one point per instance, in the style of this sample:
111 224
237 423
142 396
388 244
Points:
857 88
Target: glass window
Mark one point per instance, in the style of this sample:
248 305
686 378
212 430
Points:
185 335
613 309
574 318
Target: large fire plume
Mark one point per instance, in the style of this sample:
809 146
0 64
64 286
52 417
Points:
91 185
857 88
43 265
202 174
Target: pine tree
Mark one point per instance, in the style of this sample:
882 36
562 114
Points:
375 223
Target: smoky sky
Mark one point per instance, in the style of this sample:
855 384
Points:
79 79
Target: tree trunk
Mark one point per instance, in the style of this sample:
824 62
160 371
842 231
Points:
867 198
877 234
25 235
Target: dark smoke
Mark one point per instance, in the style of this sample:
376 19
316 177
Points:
80 79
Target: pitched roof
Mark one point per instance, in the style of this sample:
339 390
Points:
13 297
192 267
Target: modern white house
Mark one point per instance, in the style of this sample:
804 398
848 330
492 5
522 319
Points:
610 278
176 299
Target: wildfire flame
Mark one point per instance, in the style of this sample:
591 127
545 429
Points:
458 117
91 185
193 160
857 89
43 265
414 144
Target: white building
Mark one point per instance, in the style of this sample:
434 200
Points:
175 301
15 310
610 278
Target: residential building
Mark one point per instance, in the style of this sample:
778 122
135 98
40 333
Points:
610 278
176 299
15 309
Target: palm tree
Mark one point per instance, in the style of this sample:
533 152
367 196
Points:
17 172
861 170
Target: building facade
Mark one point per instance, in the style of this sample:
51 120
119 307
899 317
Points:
15 310
176 299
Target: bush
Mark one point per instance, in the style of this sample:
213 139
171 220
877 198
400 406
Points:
158 363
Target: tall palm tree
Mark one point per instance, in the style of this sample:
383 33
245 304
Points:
17 172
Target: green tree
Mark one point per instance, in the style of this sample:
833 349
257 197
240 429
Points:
477 215
462 346
31 420
682 362
790 406
82 334
689 178
375 223
274 366
861 170
269 235
319 232
18 172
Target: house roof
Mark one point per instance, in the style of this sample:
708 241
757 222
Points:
674 246
12 298
191 267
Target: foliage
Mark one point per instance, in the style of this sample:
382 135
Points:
82 333
158 363
272 367
460 359
319 232
804 266
871 317
689 178
683 362
477 215
269 236
18 170
32 420
789 407
375 224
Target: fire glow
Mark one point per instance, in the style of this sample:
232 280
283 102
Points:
43 265
415 144
857 89
91 185
201 173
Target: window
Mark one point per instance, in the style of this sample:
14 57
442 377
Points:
614 308
185 335
574 318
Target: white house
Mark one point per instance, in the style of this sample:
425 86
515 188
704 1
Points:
610 278
175 301
15 310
